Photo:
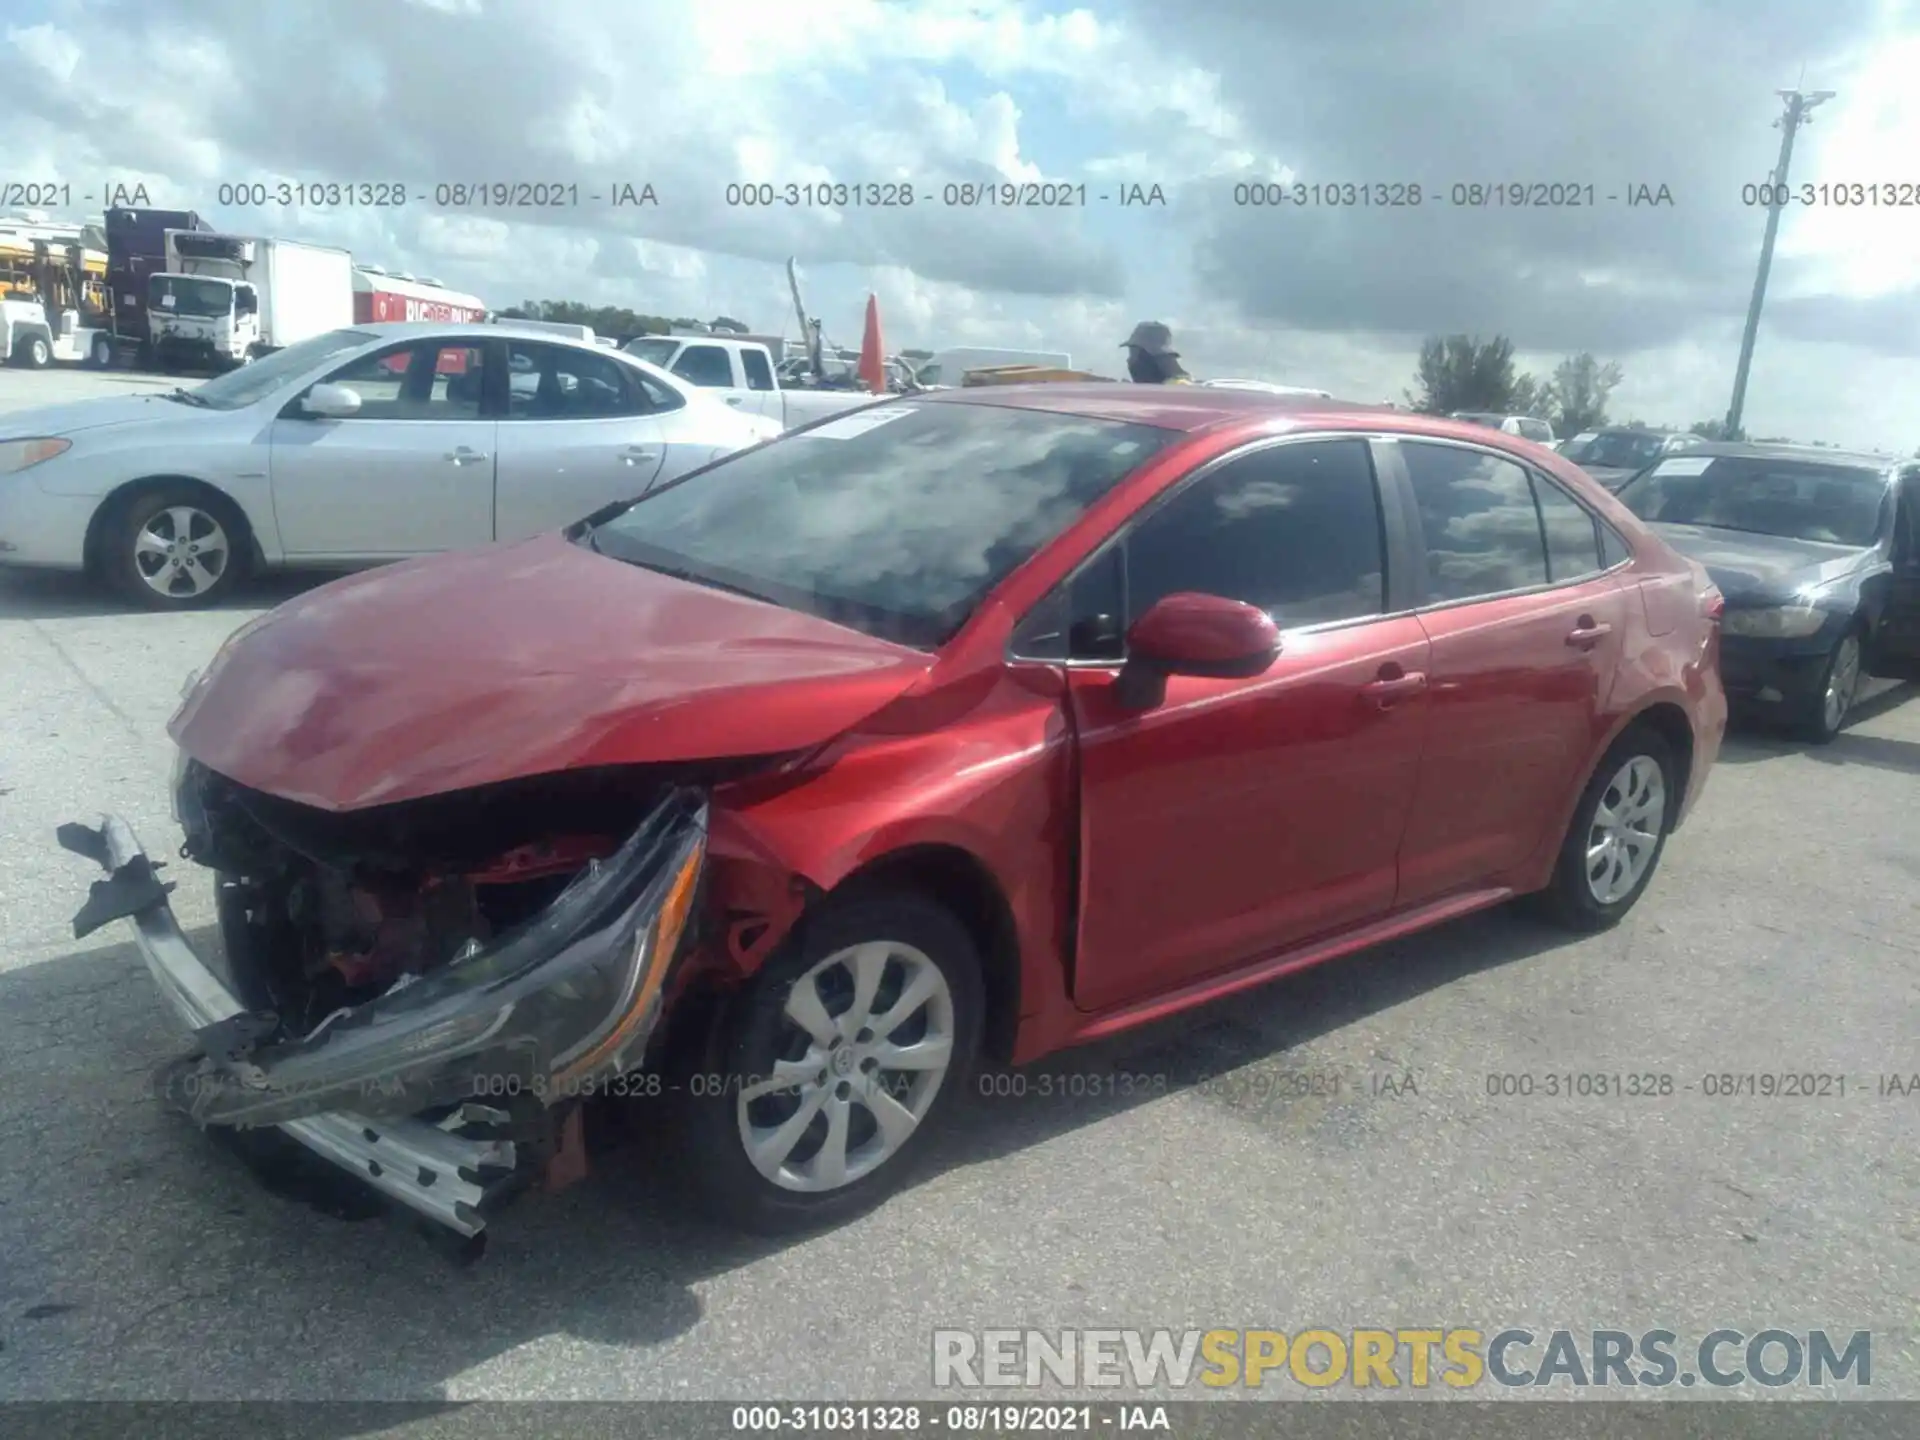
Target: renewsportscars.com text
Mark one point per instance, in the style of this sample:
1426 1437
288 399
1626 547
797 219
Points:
1456 1359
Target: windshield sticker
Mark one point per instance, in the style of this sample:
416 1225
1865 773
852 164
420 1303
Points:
858 423
1690 465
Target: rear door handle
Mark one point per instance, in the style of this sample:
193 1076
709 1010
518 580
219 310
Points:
735 399
461 455
1588 633
638 454
1385 692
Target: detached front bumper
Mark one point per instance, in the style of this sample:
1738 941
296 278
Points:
384 1090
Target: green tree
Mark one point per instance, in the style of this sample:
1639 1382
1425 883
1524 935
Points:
1582 387
1714 430
728 323
1464 372
614 321
916 354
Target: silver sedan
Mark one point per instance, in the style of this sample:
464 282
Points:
354 447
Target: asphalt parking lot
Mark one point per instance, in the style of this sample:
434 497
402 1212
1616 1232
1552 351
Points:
1782 935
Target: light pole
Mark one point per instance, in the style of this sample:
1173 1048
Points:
1799 104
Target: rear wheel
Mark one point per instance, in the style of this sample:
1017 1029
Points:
822 1079
100 354
175 547
1618 832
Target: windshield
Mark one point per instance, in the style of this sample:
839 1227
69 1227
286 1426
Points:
1797 500
654 349
894 520
1618 449
190 295
239 388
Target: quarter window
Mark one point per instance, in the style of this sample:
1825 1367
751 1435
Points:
1573 543
1478 521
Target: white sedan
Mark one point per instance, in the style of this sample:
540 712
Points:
354 447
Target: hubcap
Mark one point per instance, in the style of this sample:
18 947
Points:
181 552
1626 829
866 1039
1841 683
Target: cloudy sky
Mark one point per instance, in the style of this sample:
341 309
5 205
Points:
1195 97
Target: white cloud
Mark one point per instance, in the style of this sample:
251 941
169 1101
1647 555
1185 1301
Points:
182 95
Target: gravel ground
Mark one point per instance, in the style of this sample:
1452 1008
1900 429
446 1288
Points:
140 1261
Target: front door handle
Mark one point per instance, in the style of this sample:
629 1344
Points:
639 454
461 455
1389 689
1588 633
735 399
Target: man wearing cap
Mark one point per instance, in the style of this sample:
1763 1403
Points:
1151 358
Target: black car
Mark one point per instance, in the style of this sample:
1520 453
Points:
1818 554
1617 453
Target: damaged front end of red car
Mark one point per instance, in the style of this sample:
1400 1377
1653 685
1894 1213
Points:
413 991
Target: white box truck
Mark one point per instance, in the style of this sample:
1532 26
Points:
224 300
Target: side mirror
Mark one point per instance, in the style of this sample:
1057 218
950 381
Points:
1193 634
330 402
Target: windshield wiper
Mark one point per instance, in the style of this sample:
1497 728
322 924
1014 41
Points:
185 397
691 578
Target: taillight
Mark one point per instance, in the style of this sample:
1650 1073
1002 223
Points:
1713 605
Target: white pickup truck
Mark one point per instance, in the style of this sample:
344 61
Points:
742 372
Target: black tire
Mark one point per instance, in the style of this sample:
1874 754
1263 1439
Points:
100 353
1569 899
33 353
1812 722
744 1041
120 557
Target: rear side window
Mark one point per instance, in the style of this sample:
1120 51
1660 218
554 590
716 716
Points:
1293 529
705 365
1573 541
1478 520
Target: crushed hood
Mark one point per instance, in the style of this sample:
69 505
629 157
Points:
485 665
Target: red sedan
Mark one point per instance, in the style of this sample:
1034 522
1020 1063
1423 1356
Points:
979 724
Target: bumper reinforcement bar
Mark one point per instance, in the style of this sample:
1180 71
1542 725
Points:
433 1172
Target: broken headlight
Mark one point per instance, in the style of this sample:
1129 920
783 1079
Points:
545 1010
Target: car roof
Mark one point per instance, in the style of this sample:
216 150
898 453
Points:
474 330
1167 407
1812 454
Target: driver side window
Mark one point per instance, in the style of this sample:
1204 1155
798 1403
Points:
1294 529
1906 520
427 380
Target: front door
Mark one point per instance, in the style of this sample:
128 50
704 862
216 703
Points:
1239 817
580 430
1527 630
1896 647
711 368
410 473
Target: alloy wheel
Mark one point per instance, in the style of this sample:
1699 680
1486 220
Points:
1625 831
181 552
1843 680
866 1038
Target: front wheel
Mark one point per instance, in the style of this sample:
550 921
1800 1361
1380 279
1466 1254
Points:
100 355
175 547
1618 832
823 1078
33 353
1826 710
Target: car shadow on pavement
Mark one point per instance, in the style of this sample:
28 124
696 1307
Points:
1751 741
66 595
134 1243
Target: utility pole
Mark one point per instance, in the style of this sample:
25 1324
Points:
1799 104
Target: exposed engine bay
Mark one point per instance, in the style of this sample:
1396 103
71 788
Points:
323 911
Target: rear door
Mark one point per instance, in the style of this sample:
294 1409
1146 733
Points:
1527 627
763 394
409 474
579 429
1239 817
1897 641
